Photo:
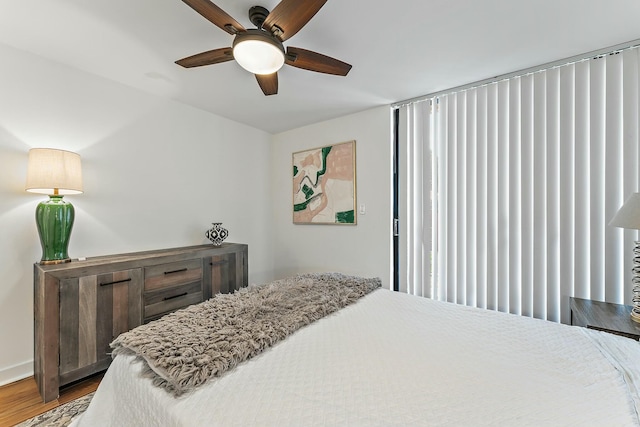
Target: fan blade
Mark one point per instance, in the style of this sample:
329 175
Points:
289 16
268 83
215 56
313 61
216 15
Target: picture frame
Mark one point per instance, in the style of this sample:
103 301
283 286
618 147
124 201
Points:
324 185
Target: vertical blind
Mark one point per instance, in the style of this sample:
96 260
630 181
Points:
506 189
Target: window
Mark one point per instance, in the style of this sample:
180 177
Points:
506 189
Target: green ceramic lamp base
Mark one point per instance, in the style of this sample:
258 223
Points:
54 219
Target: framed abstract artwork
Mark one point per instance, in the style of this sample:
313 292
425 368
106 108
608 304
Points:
324 185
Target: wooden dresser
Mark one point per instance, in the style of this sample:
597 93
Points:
81 306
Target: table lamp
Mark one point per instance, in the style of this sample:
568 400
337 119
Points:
56 173
629 217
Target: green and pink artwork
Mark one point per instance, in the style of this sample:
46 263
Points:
324 190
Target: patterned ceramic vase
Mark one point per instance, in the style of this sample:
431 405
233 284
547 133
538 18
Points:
217 233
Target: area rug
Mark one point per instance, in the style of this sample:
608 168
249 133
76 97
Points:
60 416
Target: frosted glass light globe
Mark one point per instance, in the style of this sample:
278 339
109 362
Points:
257 52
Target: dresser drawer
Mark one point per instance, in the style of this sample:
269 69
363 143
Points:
172 274
159 302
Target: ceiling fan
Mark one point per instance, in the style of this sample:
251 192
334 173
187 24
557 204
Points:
260 50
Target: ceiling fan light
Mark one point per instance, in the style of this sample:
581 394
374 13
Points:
257 52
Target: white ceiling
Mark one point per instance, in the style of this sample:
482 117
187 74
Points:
399 49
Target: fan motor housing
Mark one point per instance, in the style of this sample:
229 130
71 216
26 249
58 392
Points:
257 15
257 34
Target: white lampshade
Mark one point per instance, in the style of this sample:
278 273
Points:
258 52
629 214
52 171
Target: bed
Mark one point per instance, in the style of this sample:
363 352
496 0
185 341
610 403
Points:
392 359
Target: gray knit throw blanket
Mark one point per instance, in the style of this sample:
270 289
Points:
185 349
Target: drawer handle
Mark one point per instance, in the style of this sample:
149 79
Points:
175 296
115 282
176 271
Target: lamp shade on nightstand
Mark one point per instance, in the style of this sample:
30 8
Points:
628 216
55 173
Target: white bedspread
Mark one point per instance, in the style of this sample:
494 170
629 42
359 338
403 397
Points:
393 359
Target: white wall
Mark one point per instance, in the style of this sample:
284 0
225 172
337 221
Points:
156 174
363 249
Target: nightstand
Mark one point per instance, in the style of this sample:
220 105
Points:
604 316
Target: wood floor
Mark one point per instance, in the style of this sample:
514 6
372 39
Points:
20 401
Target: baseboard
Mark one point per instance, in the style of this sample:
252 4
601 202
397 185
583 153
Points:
16 372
